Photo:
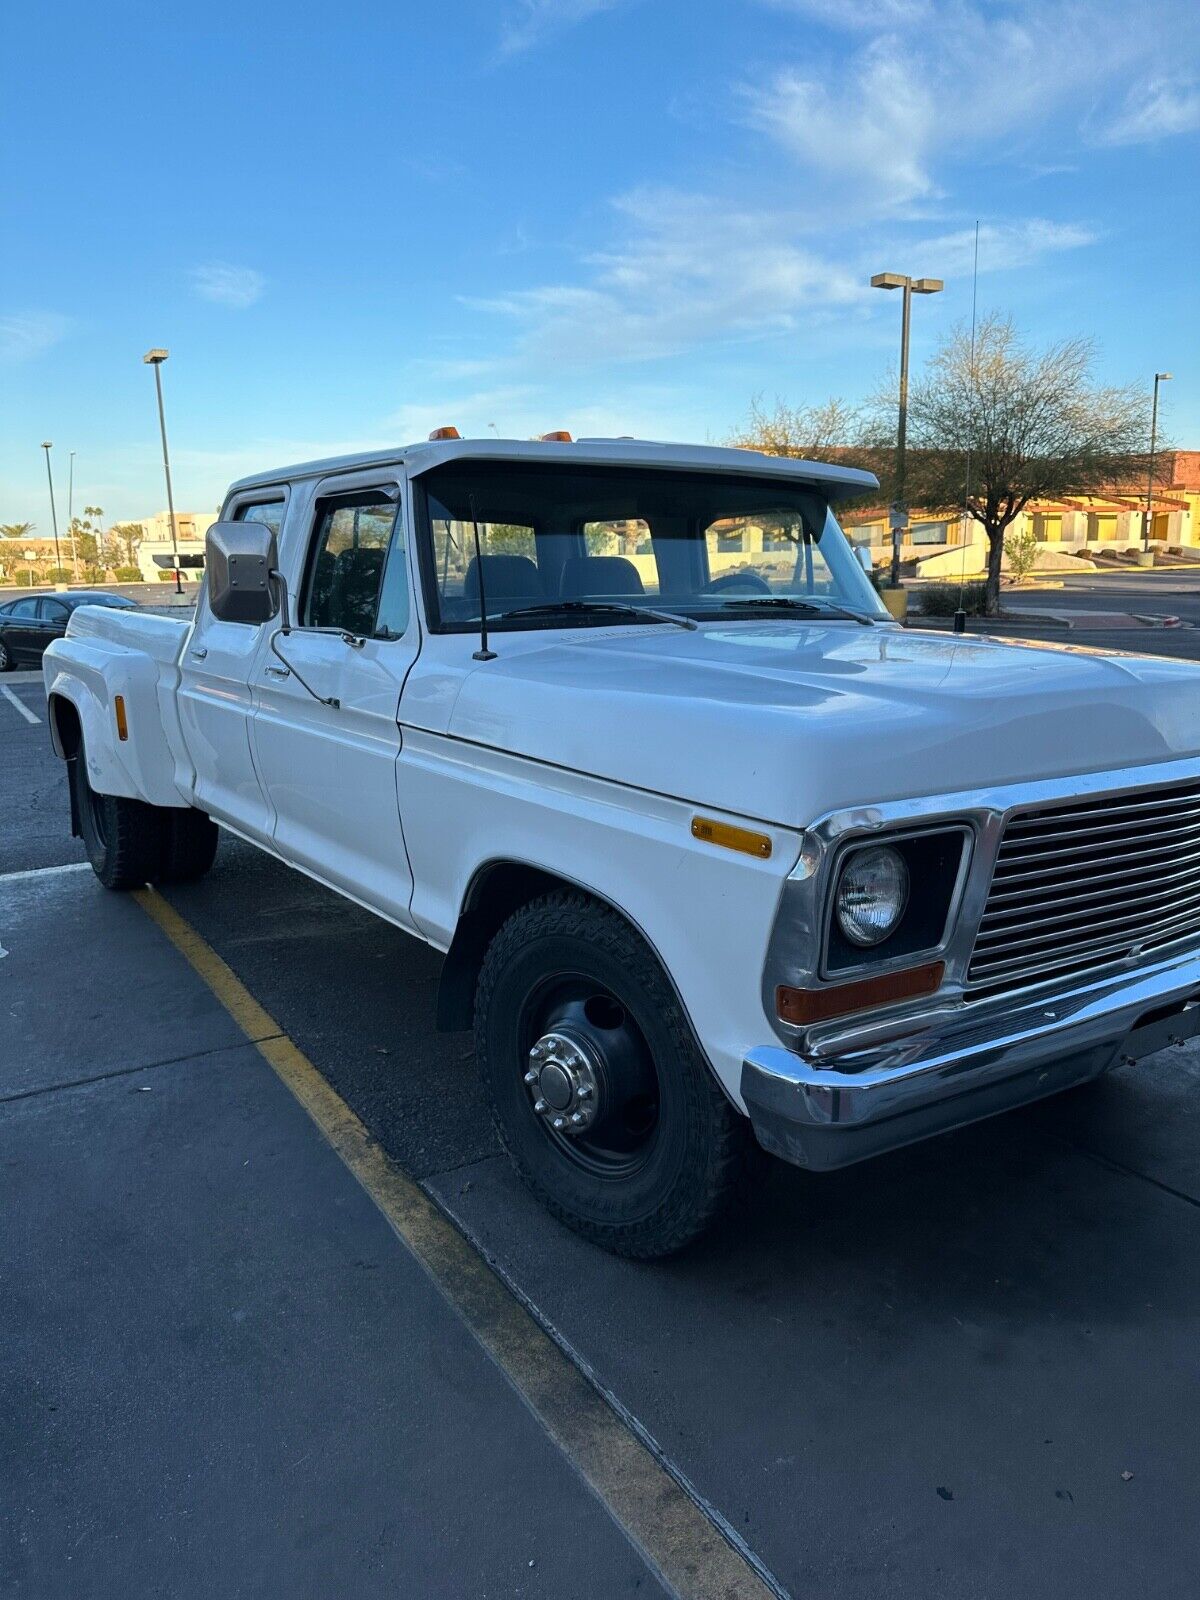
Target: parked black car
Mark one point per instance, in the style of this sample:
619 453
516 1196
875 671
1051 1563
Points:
27 625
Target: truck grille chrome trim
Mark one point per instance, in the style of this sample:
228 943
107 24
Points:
1082 886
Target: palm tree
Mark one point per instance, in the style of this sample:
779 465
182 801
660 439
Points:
96 512
16 530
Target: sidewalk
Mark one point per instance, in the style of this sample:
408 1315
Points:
224 1373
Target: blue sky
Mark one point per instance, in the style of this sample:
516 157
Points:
353 223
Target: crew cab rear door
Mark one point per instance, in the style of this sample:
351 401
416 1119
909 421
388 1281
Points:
325 731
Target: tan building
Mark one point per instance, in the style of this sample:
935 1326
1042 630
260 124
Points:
1078 525
156 556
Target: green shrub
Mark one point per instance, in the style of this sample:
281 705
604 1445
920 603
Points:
941 599
1020 550
128 574
58 575
22 578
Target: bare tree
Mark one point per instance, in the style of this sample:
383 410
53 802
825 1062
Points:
995 425
832 431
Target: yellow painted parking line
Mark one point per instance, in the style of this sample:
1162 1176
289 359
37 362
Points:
695 1558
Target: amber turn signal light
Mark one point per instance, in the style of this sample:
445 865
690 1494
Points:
119 713
444 433
802 1006
731 838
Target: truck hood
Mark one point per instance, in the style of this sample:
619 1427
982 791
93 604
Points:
785 720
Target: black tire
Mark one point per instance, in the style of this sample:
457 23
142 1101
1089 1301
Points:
6 660
686 1157
189 846
123 838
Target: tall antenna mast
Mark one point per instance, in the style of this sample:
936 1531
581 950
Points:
960 616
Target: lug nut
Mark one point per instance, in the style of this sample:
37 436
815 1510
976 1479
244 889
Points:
577 1119
584 1091
559 1122
540 1106
531 1077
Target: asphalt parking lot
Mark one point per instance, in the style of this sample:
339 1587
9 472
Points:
968 1369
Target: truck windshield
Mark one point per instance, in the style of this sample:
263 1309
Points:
558 542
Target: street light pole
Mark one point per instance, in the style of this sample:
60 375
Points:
47 446
155 359
910 286
71 514
1159 377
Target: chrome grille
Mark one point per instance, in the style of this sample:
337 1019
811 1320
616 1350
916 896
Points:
1089 883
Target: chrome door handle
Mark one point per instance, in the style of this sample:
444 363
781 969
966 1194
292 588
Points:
279 672
199 654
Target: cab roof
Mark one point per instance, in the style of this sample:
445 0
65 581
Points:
838 483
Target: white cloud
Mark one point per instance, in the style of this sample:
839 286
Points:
918 85
881 141
1153 110
690 269
236 287
530 21
1002 246
24 335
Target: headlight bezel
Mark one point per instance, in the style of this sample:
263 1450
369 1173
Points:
936 858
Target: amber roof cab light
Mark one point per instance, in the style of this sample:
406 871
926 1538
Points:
444 433
801 1007
559 436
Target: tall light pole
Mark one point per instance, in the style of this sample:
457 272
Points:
71 513
1159 377
47 446
155 359
911 286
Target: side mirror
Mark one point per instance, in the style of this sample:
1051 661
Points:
239 558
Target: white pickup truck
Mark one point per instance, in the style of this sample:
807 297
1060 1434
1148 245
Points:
714 849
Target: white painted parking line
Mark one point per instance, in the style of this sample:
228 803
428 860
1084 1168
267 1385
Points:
44 872
30 716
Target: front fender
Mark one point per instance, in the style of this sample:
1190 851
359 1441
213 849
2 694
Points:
89 674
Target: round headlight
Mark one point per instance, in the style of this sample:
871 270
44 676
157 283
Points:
872 893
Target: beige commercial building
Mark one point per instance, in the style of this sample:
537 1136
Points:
156 556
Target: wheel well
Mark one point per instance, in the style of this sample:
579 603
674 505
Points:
65 727
494 894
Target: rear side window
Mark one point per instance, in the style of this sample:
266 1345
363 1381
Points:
268 512
346 585
54 611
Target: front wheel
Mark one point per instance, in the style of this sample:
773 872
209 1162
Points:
6 660
599 1093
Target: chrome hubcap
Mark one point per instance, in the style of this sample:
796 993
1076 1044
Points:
563 1081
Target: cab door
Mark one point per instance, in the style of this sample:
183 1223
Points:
326 731
216 697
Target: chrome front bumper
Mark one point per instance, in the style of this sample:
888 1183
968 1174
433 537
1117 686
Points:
983 1060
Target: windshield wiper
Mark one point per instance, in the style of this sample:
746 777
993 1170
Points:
594 608
811 608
